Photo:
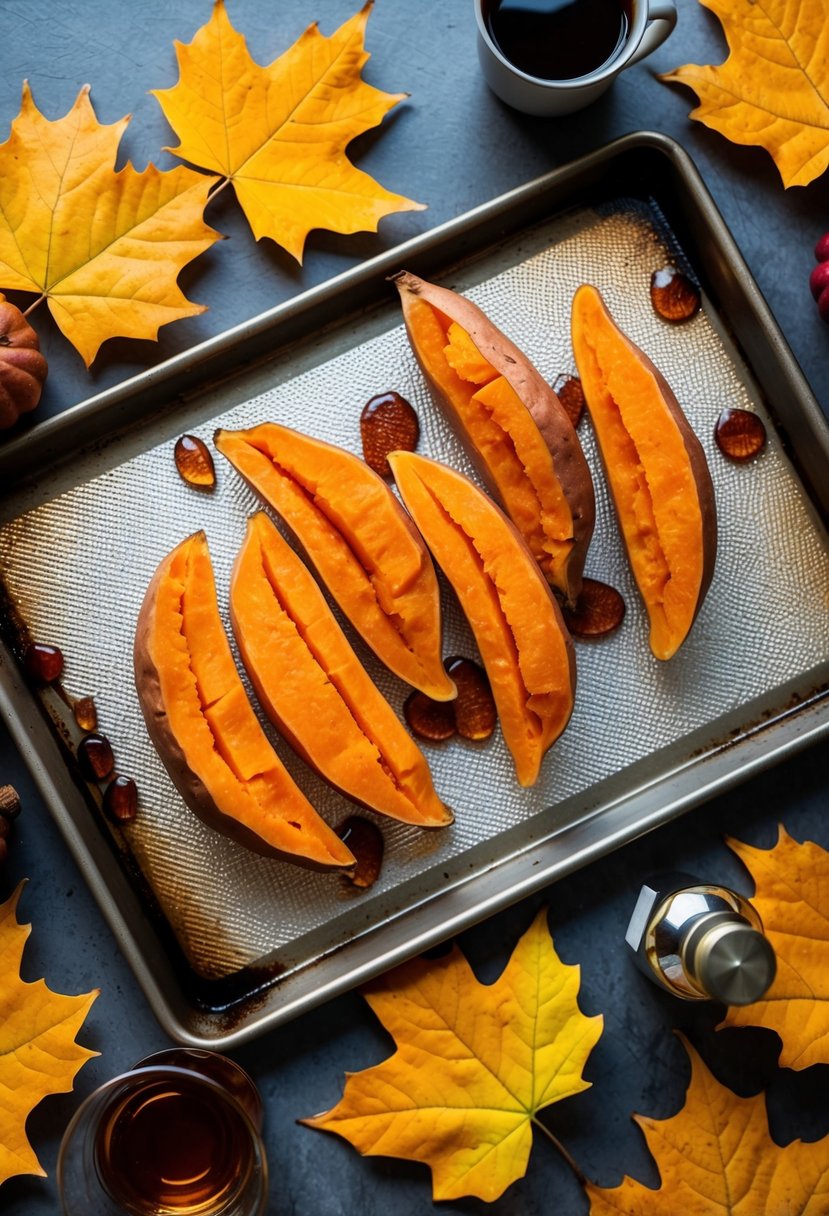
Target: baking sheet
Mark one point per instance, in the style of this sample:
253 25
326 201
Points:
230 909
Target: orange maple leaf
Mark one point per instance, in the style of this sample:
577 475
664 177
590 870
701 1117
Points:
279 133
38 1052
773 89
792 898
474 1065
716 1158
103 248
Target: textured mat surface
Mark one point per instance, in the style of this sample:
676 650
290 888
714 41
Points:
764 621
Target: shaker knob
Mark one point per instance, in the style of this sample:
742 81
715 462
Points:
727 959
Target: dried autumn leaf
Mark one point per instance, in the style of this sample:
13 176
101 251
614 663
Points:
38 1052
773 89
716 1158
104 248
474 1065
279 133
792 897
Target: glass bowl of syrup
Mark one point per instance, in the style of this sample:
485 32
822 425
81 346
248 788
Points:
177 1135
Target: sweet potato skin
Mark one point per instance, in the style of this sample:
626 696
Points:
188 784
409 469
421 669
698 463
371 699
537 395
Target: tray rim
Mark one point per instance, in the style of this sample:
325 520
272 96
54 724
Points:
53 441
540 864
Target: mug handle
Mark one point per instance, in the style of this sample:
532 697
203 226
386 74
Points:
661 20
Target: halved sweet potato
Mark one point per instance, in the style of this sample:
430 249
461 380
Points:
656 470
521 636
204 727
314 688
358 538
512 423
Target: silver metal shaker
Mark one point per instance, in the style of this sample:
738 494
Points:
700 941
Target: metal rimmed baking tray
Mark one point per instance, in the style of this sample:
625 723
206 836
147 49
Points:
227 944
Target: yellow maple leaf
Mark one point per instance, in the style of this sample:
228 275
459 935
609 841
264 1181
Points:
104 248
279 133
38 1052
716 1158
773 89
474 1065
792 897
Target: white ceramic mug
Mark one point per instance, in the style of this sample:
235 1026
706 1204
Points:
652 22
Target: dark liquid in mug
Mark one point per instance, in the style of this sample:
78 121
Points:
559 39
173 1147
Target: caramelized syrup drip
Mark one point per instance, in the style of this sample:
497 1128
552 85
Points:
600 610
570 393
472 714
432 720
388 423
121 799
42 663
674 297
95 757
365 840
475 712
194 462
740 435
85 713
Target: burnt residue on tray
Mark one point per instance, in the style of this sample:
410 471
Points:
233 996
13 629
795 703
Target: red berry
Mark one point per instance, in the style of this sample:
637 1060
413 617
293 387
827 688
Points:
822 248
819 278
823 304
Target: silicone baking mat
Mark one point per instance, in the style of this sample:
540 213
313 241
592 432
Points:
764 622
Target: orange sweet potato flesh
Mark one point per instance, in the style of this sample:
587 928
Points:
512 423
314 688
204 727
518 626
360 541
656 470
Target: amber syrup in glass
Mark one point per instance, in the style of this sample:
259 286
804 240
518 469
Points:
173 1148
559 39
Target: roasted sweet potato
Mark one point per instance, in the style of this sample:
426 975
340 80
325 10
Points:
314 688
358 538
521 636
204 727
656 469
512 423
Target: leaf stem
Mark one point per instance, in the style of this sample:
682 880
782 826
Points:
34 304
218 189
574 1166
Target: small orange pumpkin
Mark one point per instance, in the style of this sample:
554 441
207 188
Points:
22 366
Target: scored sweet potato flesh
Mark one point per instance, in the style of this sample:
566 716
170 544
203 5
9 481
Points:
512 423
359 540
205 728
521 637
656 470
314 688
